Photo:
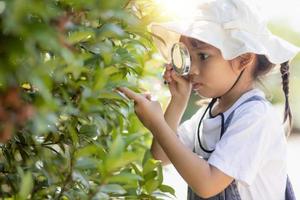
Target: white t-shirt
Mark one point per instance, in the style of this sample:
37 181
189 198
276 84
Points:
253 150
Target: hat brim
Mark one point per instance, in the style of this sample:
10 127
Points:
166 34
231 43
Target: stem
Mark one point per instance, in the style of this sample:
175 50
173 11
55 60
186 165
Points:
127 3
68 178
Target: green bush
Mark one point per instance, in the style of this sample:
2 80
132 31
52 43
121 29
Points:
73 137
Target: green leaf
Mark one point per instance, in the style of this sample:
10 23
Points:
136 169
89 130
110 95
166 188
113 188
90 150
87 163
81 178
114 163
100 80
2 7
110 30
147 156
132 137
101 196
110 70
117 147
150 175
124 177
73 135
80 36
105 49
26 186
151 185
160 176
150 166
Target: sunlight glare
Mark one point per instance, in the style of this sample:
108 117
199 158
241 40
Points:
177 8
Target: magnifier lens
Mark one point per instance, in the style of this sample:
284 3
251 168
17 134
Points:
180 59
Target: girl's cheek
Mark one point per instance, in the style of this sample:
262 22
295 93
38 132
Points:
205 68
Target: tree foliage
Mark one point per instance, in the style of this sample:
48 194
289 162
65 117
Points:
65 133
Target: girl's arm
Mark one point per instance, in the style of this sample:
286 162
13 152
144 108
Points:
180 90
173 115
204 179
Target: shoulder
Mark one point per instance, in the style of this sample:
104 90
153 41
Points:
253 114
254 106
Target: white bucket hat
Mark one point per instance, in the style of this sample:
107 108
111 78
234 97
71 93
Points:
233 26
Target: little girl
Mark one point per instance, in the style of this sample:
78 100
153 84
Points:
235 148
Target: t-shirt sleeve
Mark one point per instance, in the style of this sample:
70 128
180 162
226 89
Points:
242 148
186 131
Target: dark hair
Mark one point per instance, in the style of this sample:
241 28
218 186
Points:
284 69
263 67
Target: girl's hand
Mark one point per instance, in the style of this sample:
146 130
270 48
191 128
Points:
149 112
180 87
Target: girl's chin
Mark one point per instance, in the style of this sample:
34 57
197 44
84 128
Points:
203 94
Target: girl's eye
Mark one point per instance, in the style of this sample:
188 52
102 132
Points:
203 56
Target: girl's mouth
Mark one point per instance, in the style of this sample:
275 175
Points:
196 86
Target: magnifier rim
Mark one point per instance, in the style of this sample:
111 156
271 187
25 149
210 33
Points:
185 58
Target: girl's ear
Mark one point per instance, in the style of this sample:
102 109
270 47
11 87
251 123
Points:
246 60
243 61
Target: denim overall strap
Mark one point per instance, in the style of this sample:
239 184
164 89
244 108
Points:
230 116
231 192
289 192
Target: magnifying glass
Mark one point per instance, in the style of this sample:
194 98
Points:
180 58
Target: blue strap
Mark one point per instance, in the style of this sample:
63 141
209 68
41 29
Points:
230 116
289 192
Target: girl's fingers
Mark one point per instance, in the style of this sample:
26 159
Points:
177 78
147 96
130 94
168 66
133 95
167 78
167 75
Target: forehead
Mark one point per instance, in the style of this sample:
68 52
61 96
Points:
195 44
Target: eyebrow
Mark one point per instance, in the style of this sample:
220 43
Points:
196 44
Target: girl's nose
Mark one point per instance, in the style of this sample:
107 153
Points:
194 69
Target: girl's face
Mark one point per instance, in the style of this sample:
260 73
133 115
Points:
210 74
